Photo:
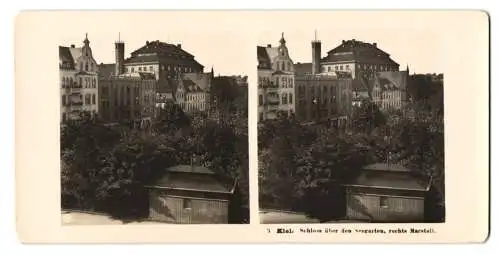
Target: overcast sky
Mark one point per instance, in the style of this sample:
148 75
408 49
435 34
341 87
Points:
227 40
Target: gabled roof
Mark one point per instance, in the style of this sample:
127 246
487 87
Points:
390 176
392 80
76 53
265 56
195 82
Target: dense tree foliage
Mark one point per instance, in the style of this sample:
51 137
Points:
303 169
105 168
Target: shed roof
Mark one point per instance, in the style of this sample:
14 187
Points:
194 178
391 181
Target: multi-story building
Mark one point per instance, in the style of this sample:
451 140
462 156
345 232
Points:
126 97
193 91
164 60
390 89
323 98
79 81
352 57
276 81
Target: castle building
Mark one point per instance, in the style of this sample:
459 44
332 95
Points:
321 97
125 97
78 74
276 79
352 57
164 60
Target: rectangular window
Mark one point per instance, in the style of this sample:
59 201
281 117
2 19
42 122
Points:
383 202
131 69
151 68
64 117
93 98
283 99
261 101
63 100
290 98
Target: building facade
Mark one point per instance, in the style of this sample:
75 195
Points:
390 89
193 91
356 58
387 193
353 58
126 97
276 91
190 194
78 74
321 97
162 59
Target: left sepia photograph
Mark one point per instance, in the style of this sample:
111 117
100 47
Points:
152 129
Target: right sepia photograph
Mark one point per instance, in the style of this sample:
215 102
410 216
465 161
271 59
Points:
350 127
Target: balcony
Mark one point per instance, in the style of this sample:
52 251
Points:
76 103
272 107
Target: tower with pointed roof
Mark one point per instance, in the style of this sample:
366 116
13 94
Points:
276 81
79 81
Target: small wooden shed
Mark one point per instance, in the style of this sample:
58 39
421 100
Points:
189 194
387 193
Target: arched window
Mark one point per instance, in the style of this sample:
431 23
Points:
71 81
80 81
86 66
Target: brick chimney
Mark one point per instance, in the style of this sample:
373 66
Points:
179 46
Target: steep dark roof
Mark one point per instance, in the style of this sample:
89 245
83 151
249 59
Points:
65 57
354 50
303 68
263 58
161 47
106 70
156 51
